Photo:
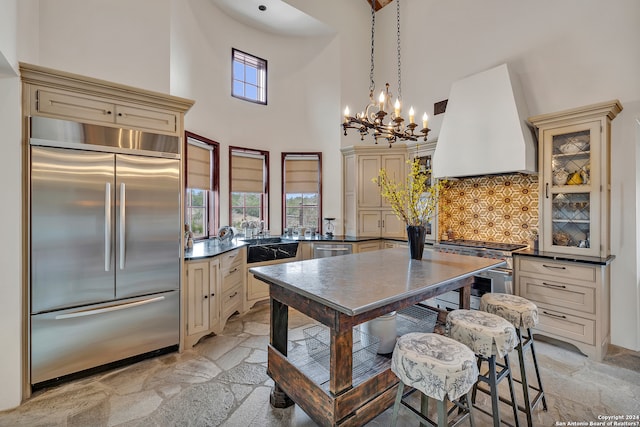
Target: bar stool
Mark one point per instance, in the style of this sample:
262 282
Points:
523 314
488 336
439 368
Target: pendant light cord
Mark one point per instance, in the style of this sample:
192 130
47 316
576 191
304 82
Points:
399 68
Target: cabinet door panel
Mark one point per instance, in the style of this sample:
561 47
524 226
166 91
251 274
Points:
74 107
567 326
394 165
583 273
145 119
559 294
369 223
198 275
392 226
570 208
368 191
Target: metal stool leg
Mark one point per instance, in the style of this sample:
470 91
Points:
396 405
535 365
523 379
424 407
493 384
442 413
470 408
512 391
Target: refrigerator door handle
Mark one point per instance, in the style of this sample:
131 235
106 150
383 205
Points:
122 224
107 226
82 313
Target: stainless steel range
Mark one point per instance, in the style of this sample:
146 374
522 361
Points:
498 279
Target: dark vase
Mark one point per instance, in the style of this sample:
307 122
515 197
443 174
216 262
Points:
416 235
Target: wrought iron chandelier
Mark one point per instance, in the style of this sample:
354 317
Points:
372 119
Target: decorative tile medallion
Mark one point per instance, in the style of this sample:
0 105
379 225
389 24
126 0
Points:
496 208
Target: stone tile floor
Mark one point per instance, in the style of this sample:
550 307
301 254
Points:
223 381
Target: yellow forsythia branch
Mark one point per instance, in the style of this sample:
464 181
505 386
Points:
413 201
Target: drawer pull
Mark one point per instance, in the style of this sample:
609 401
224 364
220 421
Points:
554 286
558 267
559 316
233 271
233 294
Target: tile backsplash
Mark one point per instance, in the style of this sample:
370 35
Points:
496 208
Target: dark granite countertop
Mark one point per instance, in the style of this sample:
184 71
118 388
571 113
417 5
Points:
335 238
211 248
566 257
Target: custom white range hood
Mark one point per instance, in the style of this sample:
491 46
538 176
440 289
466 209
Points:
484 131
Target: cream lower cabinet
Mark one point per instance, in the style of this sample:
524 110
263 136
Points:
257 290
572 299
202 300
233 267
383 223
366 246
213 293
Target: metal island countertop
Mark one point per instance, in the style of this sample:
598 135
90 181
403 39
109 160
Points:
354 284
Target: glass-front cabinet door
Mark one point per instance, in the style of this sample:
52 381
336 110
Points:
571 166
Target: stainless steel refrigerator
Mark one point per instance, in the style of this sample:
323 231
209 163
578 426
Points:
105 245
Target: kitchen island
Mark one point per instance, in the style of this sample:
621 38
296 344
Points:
340 293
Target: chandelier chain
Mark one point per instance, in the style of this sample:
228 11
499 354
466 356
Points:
399 67
372 85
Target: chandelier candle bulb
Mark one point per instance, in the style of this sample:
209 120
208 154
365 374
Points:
412 115
425 120
396 108
346 114
381 100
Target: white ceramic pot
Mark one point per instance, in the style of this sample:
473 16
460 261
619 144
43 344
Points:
385 329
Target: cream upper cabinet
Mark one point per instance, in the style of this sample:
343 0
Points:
368 167
575 188
94 109
366 212
67 96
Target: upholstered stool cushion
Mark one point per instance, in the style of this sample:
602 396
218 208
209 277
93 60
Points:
521 312
484 333
434 364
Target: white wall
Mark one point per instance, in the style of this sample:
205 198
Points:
10 219
119 40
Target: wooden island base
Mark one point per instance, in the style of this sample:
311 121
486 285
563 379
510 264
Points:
335 394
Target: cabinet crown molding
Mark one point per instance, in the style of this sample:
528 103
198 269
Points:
43 76
609 108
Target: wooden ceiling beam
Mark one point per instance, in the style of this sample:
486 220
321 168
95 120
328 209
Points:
379 4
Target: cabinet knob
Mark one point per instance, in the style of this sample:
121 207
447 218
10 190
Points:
108 112
213 295
120 114
206 296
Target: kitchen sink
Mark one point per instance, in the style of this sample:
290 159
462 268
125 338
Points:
264 241
270 249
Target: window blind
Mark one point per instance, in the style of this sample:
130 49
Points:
301 174
199 166
247 173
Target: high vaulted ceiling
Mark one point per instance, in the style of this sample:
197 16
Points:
274 16
277 16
